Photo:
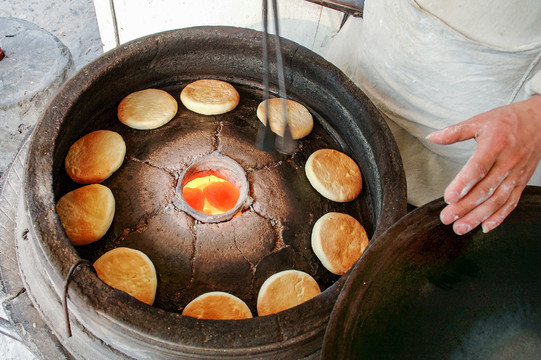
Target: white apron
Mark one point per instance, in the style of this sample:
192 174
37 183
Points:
425 73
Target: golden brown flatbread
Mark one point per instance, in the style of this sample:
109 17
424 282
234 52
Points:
210 97
129 270
147 109
95 157
338 240
299 118
86 213
334 175
217 305
285 290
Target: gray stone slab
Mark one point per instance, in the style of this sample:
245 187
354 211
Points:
35 65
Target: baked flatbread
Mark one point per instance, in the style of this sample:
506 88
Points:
299 118
217 305
334 175
95 157
147 109
285 290
338 240
129 270
86 213
210 97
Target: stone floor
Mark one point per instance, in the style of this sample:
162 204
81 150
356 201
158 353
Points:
74 23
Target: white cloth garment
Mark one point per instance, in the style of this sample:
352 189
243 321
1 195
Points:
428 64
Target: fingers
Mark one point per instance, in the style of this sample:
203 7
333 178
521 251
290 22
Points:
476 197
490 200
466 216
499 216
475 170
484 198
488 203
498 206
478 165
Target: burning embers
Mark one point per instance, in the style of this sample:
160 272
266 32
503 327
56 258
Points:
210 194
213 189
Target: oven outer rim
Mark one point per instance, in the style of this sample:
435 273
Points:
164 338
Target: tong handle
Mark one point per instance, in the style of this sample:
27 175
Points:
265 137
285 143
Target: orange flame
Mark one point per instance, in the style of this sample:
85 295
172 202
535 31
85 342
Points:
210 194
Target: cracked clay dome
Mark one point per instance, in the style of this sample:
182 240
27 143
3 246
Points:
236 255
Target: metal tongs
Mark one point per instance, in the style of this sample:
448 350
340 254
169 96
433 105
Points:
267 140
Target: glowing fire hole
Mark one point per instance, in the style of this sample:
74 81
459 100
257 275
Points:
210 194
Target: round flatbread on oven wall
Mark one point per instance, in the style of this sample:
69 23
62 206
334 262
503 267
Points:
130 271
210 97
86 213
299 118
147 109
95 157
285 290
334 175
217 305
338 240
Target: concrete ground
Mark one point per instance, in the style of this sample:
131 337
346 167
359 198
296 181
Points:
74 23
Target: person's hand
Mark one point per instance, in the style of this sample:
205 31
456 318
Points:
508 151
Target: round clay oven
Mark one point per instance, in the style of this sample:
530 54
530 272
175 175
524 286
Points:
267 231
